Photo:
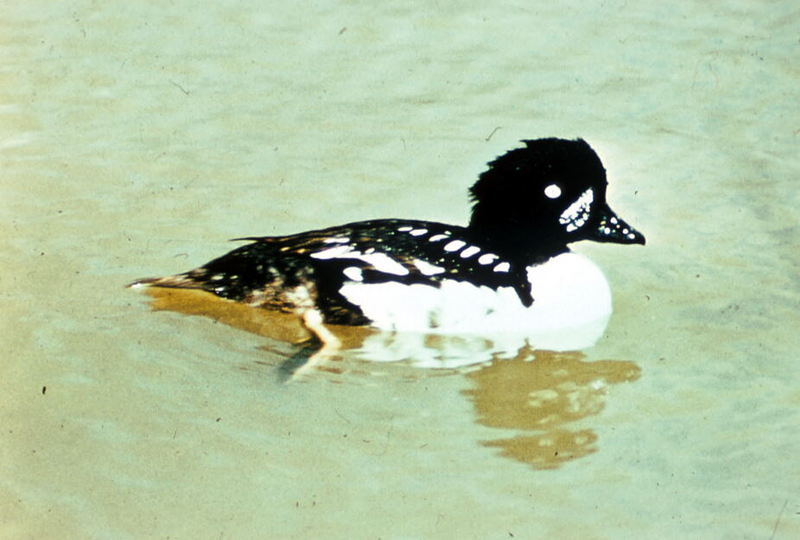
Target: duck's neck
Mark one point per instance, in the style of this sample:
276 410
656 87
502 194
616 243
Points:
522 245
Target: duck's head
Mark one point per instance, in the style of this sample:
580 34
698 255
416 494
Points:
549 193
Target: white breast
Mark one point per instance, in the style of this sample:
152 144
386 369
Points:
572 304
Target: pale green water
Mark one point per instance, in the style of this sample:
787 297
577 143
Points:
135 139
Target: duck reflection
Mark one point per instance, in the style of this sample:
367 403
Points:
271 324
541 394
280 328
544 394
417 349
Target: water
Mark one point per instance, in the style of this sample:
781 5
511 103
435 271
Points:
135 139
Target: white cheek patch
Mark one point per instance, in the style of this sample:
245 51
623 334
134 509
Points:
577 214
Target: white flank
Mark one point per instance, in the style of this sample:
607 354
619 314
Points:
572 303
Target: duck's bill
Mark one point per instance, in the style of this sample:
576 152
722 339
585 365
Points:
611 228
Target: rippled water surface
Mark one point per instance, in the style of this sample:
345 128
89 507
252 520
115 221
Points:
135 138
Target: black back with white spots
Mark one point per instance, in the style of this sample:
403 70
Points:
284 272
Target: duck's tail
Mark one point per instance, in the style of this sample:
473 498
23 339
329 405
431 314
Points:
178 281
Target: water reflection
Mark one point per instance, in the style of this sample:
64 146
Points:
419 349
540 394
271 324
544 394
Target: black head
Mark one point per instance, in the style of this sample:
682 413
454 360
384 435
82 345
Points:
546 195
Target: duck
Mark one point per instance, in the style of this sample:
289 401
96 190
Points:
509 271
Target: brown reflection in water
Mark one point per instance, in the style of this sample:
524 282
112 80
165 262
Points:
281 327
272 324
543 392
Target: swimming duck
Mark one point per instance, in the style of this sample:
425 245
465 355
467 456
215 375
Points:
510 270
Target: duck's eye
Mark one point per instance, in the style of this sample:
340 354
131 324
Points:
552 191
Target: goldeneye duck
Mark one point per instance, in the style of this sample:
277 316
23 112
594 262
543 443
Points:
509 271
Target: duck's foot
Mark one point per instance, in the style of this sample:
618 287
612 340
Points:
322 345
312 320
